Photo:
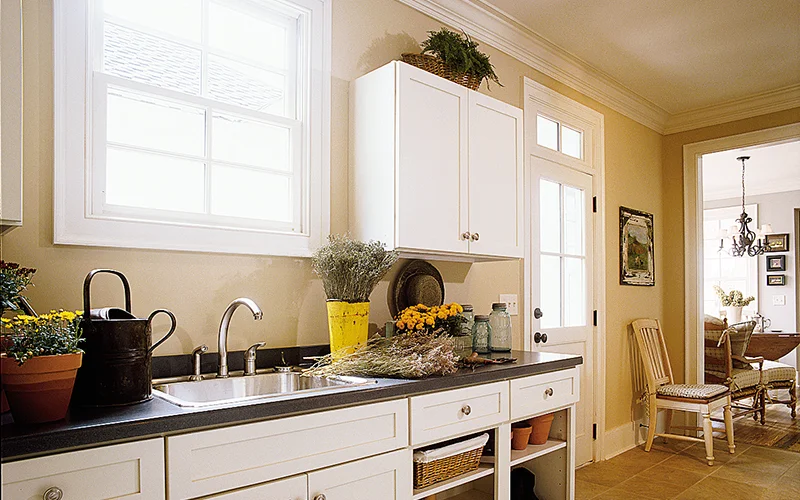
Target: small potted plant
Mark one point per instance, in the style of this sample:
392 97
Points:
733 302
350 270
444 319
40 364
454 56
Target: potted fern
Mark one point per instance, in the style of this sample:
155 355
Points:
454 56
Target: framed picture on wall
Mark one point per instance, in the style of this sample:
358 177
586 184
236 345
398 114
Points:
777 242
776 263
776 279
637 264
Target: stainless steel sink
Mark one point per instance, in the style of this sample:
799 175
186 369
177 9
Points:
236 389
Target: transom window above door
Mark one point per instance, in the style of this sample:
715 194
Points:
557 136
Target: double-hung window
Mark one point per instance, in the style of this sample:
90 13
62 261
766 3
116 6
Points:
193 124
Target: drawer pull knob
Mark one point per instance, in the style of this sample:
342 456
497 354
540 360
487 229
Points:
321 496
549 391
466 410
53 493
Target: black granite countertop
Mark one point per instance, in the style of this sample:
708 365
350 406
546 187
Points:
85 428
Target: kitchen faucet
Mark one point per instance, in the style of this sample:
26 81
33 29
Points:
222 340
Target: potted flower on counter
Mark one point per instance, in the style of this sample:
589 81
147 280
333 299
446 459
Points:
14 279
40 364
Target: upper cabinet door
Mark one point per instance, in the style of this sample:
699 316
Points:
431 187
495 177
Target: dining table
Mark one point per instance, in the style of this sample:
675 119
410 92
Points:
772 345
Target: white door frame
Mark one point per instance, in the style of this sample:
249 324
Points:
536 96
693 232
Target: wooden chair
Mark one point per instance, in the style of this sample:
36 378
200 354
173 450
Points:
664 393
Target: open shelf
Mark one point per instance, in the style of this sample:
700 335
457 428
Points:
536 450
481 471
472 495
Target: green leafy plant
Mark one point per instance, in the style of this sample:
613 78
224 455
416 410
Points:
733 298
461 53
350 269
55 333
13 281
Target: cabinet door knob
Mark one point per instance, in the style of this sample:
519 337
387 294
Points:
537 337
465 235
321 496
544 338
476 236
466 410
548 391
53 493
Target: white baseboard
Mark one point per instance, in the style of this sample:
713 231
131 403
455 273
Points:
623 438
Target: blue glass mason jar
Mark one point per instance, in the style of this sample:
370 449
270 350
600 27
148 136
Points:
481 333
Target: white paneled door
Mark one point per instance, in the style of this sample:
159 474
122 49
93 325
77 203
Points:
561 277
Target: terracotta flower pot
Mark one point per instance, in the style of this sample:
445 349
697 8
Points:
519 437
541 428
40 390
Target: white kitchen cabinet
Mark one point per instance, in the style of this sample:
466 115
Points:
131 470
436 168
384 477
10 114
293 488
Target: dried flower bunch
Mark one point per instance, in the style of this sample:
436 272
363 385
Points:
734 298
13 281
350 269
444 319
44 335
411 355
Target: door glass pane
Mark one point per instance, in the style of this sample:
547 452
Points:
141 120
550 291
144 180
547 133
246 36
574 292
179 18
571 142
573 220
251 194
240 140
247 86
549 216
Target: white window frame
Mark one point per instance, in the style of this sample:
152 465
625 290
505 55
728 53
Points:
78 222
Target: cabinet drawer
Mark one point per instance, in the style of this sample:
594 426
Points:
131 470
447 414
292 488
202 463
540 393
385 477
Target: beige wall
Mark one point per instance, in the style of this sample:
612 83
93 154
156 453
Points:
673 197
197 286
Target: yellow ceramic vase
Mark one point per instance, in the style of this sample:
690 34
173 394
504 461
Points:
348 325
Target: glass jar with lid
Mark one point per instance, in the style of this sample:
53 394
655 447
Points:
481 333
463 338
500 322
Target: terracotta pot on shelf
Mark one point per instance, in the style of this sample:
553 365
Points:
520 436
541 428
40 390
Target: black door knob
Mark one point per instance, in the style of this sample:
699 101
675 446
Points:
537 337
544 338
537 313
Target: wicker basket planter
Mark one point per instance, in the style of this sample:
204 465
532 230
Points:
437 67
440 464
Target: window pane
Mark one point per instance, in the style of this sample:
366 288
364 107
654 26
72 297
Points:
148 59
251 194
246 36
550 216
141 120
154 181
546 133
180 18
573 220
250 142
574 292
550 291
246 86
571 142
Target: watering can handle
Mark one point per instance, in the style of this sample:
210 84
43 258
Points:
171 329
87 308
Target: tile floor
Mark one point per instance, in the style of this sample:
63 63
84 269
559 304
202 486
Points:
678 470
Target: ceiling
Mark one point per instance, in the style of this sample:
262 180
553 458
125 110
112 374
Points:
771 169
681 55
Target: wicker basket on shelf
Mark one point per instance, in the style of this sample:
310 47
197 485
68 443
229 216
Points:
435 65
455 459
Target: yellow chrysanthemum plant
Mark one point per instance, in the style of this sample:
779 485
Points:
57 332
442 319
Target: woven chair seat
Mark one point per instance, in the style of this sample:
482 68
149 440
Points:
691 391
778 372
741 378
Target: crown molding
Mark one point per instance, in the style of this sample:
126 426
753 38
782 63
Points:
737 109
503 32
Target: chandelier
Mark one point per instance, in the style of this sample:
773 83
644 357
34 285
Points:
745 241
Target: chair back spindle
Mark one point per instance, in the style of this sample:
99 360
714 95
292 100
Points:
653 350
